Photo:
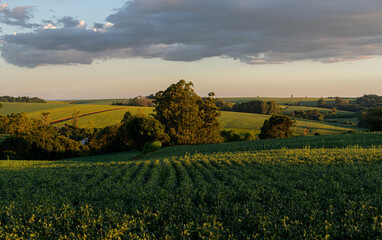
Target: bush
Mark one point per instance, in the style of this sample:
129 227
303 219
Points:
105 140
231 136
138 131
317 134
260 107
278 126
41 144
152 147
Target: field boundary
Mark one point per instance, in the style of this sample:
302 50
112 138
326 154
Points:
84 115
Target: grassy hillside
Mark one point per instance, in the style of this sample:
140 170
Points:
95 101
305 101
230 120
366 140
109 118
255 121
277 194
289 109
9 108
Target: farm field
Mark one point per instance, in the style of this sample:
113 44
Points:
312 102
104 119
289 109
95 101
11 107
229 120
365 140
286 193
255 122
305 101
343 120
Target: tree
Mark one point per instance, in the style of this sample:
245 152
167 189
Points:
142 130
340 101
45 118
260 107
75 116
278 126
188 119
44 143
372 119
321 102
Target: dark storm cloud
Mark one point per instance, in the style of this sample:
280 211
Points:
68 22
18 16
253 31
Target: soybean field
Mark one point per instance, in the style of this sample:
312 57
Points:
273 194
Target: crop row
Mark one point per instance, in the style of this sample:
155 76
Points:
365 140
302 193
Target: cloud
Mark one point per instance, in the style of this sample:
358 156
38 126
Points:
70 22
18 16
252 31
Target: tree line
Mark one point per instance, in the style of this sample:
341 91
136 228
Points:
181 117
24 99
137 101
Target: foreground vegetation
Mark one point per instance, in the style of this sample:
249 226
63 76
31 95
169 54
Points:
306 193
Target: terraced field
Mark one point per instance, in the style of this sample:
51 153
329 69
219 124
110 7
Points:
306 193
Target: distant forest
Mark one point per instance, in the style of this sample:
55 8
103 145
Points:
21 99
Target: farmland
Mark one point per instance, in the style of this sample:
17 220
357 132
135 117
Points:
229 120
294 193
12 107
289 109
255 121
301 188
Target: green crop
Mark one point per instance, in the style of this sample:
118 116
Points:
273 194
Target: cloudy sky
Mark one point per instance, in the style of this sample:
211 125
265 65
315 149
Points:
66 49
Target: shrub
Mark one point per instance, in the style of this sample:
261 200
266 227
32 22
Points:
141 130
278 126
41 144
230 136
151 147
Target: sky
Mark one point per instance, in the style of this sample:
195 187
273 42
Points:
66 49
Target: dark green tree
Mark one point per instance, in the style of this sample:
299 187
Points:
371 119
44 143
321 102
278 126
188 119
142 130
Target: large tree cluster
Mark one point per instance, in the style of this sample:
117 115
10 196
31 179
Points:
188 119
